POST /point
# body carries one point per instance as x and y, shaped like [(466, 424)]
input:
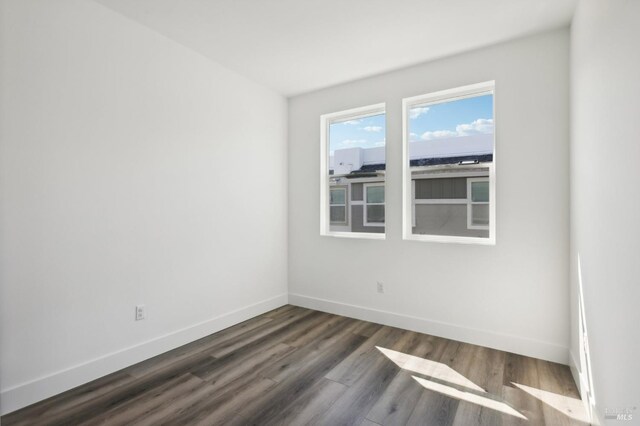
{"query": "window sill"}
[(491, 241), (356, 235)]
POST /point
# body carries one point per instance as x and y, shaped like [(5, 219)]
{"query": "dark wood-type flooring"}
[(295, 366)]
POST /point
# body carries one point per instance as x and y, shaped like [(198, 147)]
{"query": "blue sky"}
[(366, 132), (449, 119)]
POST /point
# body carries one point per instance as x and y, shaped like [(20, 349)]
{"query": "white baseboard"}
[(581, 383), (575, 372), (504, 342), (36, 390)]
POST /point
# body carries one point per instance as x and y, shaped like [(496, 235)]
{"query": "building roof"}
[(357, 162)]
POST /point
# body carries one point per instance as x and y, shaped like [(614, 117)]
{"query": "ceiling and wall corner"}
[(298, 46)]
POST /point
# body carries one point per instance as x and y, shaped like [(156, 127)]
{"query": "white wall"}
[(133, 170), (605, 206), (513, 295)]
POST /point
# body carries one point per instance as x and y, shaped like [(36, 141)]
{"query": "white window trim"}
[(408, 204), (366, 203), (413, 204), (471, 203), (325, 121)]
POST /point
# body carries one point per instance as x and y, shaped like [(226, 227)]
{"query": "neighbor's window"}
[(449, 177), (353, 172), (373, 204), (338, 205), (478, 206)]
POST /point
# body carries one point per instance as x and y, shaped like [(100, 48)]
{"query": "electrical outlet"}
[(141, 312), (380, 287)]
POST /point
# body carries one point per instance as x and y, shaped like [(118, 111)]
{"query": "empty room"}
[(299, 212)]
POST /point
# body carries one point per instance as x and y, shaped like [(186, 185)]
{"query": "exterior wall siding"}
[(357, 221), (445, 219), (356, 192), (441, 188)]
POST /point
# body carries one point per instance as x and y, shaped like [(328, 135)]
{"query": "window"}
[(352, 178), (338, 205), (478, 205), (449, 174), (374, 205)]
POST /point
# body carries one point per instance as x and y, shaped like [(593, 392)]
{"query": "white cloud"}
[(380, 143), (438, 134), (413, 136), (372, 128), (351, 122), (417, 112), (479, 126)]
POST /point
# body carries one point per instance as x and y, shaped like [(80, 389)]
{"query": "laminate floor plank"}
[(328, 323), (218, 402), (311, 353), (398, 401), (366, 328), (246, 330), (561, 404), (522, 370), (275, 332), (222, 408), (486, 371), (134, 410), (352, 367), (311, 406), (202, 345), (296, 366), (438, 408), (57, 406), (374, 373), (294, 386), (125, 393), (279, 312), (220, 372)]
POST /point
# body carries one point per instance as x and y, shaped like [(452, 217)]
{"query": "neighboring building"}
[(449, 186)]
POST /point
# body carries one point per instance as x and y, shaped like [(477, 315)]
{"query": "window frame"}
[(408, 196), (471, 203), (345, 204), (366, 204), (325, 121)]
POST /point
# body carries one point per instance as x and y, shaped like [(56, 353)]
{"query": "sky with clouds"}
[(452, 119), (368, 132), (449, 119)]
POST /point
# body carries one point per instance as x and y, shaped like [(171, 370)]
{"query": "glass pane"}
[(356, 149), (375, 214), (375, 194), (337, 196), (338, 214), (450, 142), (480, 214), (444, 219), (356, 142), (480, 191)]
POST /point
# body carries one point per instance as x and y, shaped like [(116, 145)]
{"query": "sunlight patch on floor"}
[(426, 367), (469, 397), (570, 407)]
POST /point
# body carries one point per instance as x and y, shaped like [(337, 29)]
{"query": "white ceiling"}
[(295, 46)]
